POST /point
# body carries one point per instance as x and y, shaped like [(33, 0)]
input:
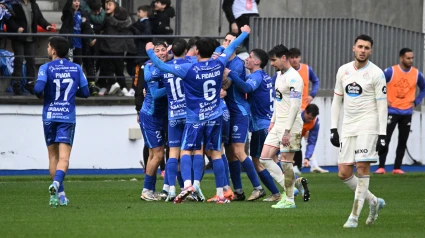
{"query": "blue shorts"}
[(205, 133), (257, 142), (152, 130), (225, 127), (239, 126), (175, 132), (58, 132)]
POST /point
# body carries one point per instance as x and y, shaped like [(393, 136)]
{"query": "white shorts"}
[(274, 139), (361, 148)]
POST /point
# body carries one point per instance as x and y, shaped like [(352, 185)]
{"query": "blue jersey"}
[(154, 104), (235, 99), (76, 41), (202, 83), (175, 92), (261, 99), (62, 80)]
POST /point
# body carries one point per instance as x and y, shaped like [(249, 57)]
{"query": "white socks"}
[(360, 195), (352, 184), (274, 171), (288, 169)]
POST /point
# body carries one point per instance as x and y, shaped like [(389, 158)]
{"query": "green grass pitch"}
[(110, 206)]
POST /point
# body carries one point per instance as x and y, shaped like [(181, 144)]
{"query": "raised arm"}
[(178, 70), (232, 47)]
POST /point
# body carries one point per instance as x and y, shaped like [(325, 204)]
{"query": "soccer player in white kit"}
[(361, 91), (286, 124)]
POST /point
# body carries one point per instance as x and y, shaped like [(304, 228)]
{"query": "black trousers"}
[(403, 122), (27, 49), (244, 20), (109, 67)]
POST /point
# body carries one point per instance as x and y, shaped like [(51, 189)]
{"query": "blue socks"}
[(249, 168), (180, 179), (218, 168), (267, 180), (148, 182), (59, 177), (171, 171), (61, 188), (235, 174), (186, 167), (226, 170), (198, 167)]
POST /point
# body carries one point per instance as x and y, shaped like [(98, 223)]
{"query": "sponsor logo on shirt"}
[(384, 90), (361, 151), (353, 89)]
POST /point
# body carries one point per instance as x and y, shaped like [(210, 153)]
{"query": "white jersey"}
[(288, 86), (361, 89)]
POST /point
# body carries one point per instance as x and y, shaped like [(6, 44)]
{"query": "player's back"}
[(150, 105), (175, 92), (288, 85), (236, 100), (261, 100), (62, 81), (360, 88), (202, 85)]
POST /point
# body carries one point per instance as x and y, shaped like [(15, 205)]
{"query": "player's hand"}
[(309, 99), (285, 139), (215, 55), (92, 42), (271, 126), (20, 29), (223, 93), (226, 72), (381, 145), (149, 46), (49, 28), (234, 28), (246, 29), (335, 137), (226, 83), (306, 163)]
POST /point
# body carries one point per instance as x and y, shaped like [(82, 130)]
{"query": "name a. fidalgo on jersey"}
[(208, 75)]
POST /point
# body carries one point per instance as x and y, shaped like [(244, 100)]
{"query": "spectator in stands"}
[(117, 22), (163, 12), (4, 15), (238, 13), (141, 27), (25, 18), (75, 21)]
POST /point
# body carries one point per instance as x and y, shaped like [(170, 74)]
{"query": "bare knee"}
[(239, 151), (345, 171)]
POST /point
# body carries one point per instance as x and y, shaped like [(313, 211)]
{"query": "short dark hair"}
[(262, 56), (215, 42), (145, 8), (192, 41), (167, 3), (231, 33), (179, 47), (60, 45), (279, 51), (205, 47), (404, 51), (294, 52), (312, 109), (158, 42), (95, 5), (365, 38)]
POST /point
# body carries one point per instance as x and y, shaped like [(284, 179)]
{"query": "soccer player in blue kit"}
[(239, 124), (202, 85), (259, 87), (152, 121), (176, 113), (59, 82)]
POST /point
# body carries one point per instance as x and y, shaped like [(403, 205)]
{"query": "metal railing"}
[(326, 44)]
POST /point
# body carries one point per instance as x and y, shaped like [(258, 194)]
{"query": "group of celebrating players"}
[(201, 122)]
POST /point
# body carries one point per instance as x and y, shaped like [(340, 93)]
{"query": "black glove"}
[(335, 137), (381, 145)]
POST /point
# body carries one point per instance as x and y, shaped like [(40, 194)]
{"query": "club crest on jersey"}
[(235, 128), (172, 123), (353, 89), (384, 90)]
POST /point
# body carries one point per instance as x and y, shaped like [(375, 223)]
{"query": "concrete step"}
[(48, 5)]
